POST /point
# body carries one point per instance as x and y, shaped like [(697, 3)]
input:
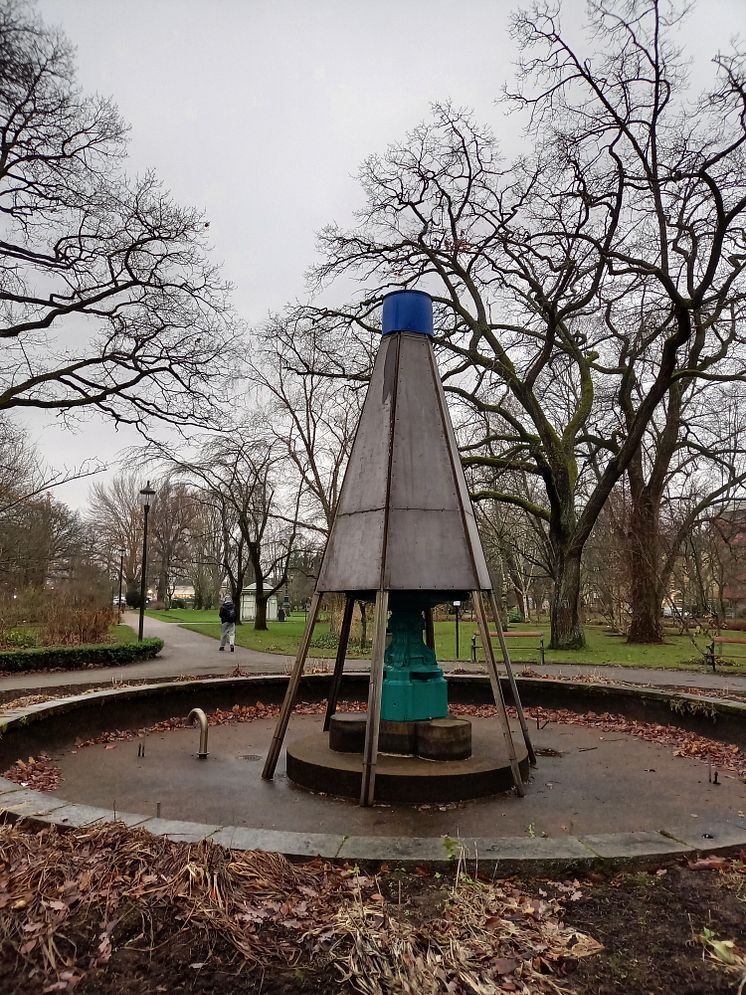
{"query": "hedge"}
[(78, 657)]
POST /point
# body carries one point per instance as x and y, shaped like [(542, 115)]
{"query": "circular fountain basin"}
[(592, 795)]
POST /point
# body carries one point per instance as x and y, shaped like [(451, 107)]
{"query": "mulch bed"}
[(118, 912), (113, 911)]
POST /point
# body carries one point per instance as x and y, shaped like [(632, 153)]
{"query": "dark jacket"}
[(228, 612)]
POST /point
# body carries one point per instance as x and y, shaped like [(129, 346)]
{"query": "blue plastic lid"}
[(407, 311)]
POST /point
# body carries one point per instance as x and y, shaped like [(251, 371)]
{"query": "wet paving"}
[(586, 781)]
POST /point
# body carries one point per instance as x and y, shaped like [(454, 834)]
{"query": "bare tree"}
[(606, 576), (631, 193), (714, 561), (206, 554), (691, 460), (519, 542), (107, 298), (239, 476), (42, 544), (115, 517), (314, 412), (23, 474), (174, 514)]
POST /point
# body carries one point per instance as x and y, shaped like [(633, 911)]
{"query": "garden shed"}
[(248, 605)]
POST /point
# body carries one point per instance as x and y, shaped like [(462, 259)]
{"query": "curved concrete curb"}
[(506, 853)]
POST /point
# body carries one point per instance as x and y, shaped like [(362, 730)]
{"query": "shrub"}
[(23, 609), (75, 626), (133, 599), (78, 657), (735, 624), (22, 637), (325, 641), (515, 616)]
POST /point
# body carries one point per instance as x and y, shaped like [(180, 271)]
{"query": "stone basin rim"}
[(507, 853)]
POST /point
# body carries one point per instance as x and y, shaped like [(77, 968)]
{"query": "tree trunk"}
[(643, 553), (335, 604), (236, 598), (566, 627), (260, 619), (519, 593), (363, 608)]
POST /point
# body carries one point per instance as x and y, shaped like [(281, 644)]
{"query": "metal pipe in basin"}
[(199, 715)]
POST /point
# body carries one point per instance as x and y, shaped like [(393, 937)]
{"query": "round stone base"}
[(432, 739), (444, 739), (311, 764)]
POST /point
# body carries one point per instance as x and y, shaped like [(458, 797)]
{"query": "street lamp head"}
[(122, 552), (146, 496)]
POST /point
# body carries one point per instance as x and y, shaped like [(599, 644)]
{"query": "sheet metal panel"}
[(353, 554), (483, 575), (354, 550), (421, 474), (427, 551), (432, 541), (366, 477)]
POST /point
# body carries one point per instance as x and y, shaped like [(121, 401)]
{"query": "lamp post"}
[(146, 498), (121, 570)]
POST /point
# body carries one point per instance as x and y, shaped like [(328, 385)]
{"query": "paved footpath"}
[(187, 653)]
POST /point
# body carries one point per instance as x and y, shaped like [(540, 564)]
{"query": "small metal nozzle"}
[(199, 715)]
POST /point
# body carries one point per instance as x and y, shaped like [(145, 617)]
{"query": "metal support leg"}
[(344, 638), (292, 692), (502, 716), (370, 753), (511, 678)]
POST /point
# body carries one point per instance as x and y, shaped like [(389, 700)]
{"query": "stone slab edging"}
[(506, 853)]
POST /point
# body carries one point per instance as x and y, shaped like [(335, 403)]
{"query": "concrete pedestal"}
[(311, 764), (432, 739)]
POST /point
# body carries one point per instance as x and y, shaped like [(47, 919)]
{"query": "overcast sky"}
[(260, 111)]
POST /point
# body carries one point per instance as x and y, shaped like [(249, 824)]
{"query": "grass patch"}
[(677, 652), (122, 634), (180, 615), (280, 637)]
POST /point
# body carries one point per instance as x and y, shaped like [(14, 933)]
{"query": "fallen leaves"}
[(726, 954), (711, 863), (484, 938), (25, 701), (37, 773), (724, 756), (686, 744)]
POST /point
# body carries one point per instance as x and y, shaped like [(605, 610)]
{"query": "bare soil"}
[(653, 924), (649, 927), (169, 933)]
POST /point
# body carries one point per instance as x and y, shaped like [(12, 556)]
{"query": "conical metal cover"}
[(404, 521)]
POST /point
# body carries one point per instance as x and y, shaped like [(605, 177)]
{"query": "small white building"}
[(248, 605)]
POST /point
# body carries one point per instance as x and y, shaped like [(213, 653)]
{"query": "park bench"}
[(513, 635), (715, 649)]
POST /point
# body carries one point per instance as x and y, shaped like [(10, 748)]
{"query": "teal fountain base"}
[(414, 687)]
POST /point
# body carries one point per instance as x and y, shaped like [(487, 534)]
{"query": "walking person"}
[(228, 626)]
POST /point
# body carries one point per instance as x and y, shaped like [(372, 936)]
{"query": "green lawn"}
[(280, 637), (122, 634), (678, 652), (183, 615)]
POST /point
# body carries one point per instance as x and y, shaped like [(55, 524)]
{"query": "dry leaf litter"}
[(65, 897)]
